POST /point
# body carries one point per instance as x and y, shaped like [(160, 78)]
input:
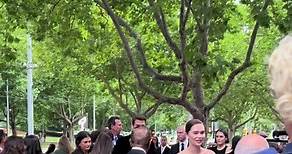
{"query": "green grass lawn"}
[(49, 140)]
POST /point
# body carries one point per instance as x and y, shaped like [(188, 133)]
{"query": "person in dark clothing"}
[(123, 145), (33, 145), (115, 125), (51, 149), (163, 148), (153, 145), (182, 141), (221, 140)]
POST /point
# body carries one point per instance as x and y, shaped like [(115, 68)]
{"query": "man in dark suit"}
[(164, 148), (140, 140), (123, 145), (115, 126), (182, 141)]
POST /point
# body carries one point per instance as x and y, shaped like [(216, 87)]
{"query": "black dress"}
[(222, 151)]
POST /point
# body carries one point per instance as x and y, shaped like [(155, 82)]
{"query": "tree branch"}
[(183, 62), (143, 59), (118, 99), (242, 67), (247, 120), (152, 109), (159, 17), (54, 6), (132, 61)]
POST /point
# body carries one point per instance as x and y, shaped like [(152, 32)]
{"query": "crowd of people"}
[(191, 137)]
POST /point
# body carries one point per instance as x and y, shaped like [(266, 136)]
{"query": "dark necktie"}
[(182, 147)]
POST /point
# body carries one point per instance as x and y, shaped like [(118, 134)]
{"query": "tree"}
[(12, 71), (200, 24), (62, 89), (191, 62)]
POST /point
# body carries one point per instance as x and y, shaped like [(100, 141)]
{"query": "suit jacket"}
[(166, 150), (122, 146), (136, 151), (174, 149)]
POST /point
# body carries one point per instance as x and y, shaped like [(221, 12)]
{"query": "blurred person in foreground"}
[(64, 146), (140, 140), (253, 144), (2, 139), (280, 70), (14, 145), (103, 143), (33, 145), (123, 145)]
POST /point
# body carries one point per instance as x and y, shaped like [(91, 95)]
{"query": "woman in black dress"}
[(221, 140)]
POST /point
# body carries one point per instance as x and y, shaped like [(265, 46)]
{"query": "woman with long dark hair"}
[(83, 143), (221, 140), (33, 145)]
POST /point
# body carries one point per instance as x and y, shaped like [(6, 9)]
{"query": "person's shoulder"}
[(208, 151), (183, 152)]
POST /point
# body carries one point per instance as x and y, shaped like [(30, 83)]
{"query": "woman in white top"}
[(195, 130)]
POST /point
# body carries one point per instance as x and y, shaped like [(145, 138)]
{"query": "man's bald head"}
[(140, 137), (251, 144)]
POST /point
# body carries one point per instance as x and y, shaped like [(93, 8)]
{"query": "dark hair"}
[(33, 145), (51, 148), (103, 143), (14, 145), (138, 117), (112, 121), (191, 123), (80, 136), (2, 135), (224, 133), (234, 141), (94, 134)]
